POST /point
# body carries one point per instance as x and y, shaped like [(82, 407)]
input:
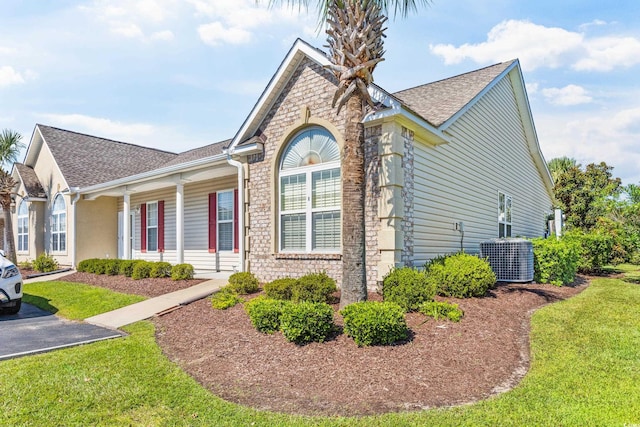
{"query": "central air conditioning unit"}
[(510, 259)]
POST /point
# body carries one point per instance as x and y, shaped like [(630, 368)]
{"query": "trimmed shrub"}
[(595, 249), (225, 298), (313, 287), (127, 265), (160, 269), (244, 283), (280, 288), (375, 323), (45, 263), (265, 313), (141, 270), (437, 310), (182, 272), (407, 287), (307, 322), (111, 267), (86, 265), (554, 261), (462, 276), (438, 260)]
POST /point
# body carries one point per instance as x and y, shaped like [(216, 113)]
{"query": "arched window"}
[(59, 225), (23, 227), (309, 193)]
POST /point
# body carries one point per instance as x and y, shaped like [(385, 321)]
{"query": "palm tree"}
[(560, 165), (355, 40), (10, 146)]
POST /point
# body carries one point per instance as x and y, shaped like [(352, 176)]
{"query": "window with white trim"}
[(310, 193), (23, 227), (505, 204), (225, 220), (59, 225), (152, 227)]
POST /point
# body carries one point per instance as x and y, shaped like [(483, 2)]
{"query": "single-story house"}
[(449, 164)]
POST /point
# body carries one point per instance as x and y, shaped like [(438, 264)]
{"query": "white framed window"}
[(505, 205), (225, 218), (152, 227), (310, 193), (23, 227), (59, 225)]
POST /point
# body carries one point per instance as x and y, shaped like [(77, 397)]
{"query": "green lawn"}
[(585, 371)]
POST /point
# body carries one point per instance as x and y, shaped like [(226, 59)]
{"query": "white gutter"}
[(240, 167), (74, 201)]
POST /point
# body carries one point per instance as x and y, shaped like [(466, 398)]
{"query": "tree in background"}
[(584, 195), (560, 165), (10, 146), (355, 40)]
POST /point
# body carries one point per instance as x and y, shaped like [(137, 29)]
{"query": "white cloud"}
[(532, 88), (128, 30), (568, 95), (215, 34), (106, 128), (595, 137), (9, 76), (163, 35), (539, 46)]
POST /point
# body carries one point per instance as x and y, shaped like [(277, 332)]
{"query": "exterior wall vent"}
[(510, 259)]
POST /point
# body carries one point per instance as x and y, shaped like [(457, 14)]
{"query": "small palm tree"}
[(560, 165), (355, 38), (10, 146)]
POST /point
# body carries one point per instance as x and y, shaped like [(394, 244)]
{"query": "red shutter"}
[(213, 211), (161, 226), (143, 227), (235, 221)]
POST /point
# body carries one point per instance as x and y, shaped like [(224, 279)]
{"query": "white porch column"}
[(179, 223), (126, 227)]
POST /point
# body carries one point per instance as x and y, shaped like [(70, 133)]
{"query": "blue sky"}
[(177, 74)]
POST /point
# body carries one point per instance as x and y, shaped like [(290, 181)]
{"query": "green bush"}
[(127, 265), (407, 287), (313, 287), (280, 288), (595, 249), (554, 261), (265, 313), (307, 322), (438, 260), (375, 323), (112, 266), (437, 310), (182, 272), (45, 263), (462, 276), (141, 270), (86, 265), (244, 283), (160, 269), (225, 298)]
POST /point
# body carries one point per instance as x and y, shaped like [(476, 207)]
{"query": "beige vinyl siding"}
[(196, 225), (460, 181)]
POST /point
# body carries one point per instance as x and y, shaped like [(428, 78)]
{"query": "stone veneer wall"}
[(372, 136), (305, 100), (407, 196)]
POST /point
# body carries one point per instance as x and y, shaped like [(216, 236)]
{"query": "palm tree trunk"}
[(354, 282), (10, 250)]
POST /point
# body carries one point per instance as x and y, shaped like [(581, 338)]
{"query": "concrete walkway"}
[(149, 308)]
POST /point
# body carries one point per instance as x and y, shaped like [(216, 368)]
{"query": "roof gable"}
[(86, 160), (439, 101), (30, 180)]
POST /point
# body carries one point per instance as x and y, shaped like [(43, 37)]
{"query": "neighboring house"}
[(449, 164)]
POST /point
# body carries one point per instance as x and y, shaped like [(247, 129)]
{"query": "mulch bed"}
[(145, 287), (444, 364)]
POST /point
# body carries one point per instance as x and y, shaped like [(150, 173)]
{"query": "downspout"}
[(241, 212), (74, 201)]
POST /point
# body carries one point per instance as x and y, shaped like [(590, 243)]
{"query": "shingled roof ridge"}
[(204, 146), (106, 139), (456, 76)]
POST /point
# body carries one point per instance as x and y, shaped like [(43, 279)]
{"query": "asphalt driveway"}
[(33, 330)]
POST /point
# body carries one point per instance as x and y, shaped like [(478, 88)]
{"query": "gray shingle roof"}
[(437, 102), (86, 160), (199, 153), (30, 180)]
